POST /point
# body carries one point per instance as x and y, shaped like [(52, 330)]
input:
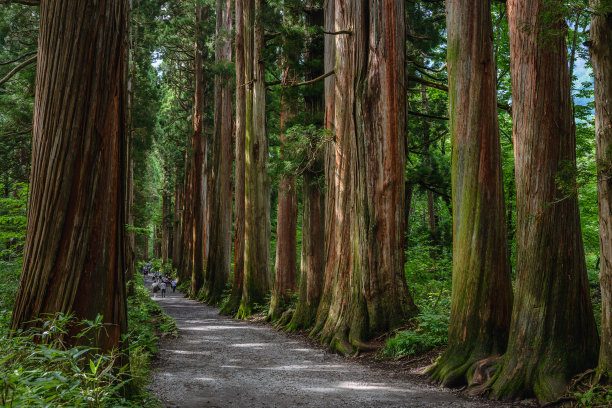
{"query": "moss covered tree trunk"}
[(553, 334), (256, 282), (198, 183), (313, 216), (368, 292), (232, 305), (220, 219), (74, 250), (601, 57), (481, 302)]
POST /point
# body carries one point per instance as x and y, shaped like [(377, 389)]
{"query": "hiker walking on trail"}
[(173, 285), (155, 288), (163, 289)]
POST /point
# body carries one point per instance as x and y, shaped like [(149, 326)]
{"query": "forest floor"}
[(218, 361)]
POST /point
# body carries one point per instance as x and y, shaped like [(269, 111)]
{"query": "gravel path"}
[(221, 362)]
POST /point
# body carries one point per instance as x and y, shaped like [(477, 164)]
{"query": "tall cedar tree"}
[(313, 216), (231, 306), (220, 217), (481, 302), (285, 269), (601, 57), (256, 282), (74, 250), (367, 291), (553, 334)]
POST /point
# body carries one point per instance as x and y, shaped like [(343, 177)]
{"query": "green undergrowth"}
[(38, 369), (429, 332), (595, 397)]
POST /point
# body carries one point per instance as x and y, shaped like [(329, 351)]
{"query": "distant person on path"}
[(173, 284), (155, 288), (163, 289)]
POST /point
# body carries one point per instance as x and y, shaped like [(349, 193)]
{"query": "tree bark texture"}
[(165, 230), (74, 251), (220, 221), (368, 292), (553, 334), (256, 283), (285, 267), (198, 183), (231, 306), (313, 218), (601, 57), (481, 302)]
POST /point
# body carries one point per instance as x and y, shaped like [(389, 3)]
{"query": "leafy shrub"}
[(431, 331), (13, 211)]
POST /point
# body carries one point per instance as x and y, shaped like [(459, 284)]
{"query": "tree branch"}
[(425, 115), (22, 56), (305, 83), (21, 133), (444, 88), (338, 32), (26, 2), (17, 69)]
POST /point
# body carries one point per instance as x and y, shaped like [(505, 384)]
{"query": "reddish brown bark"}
[(313, 217), (368, 292), (256, 282), (220, 215), (231, 306), (601, 57), (481, 302), (553, 334), (74, 250)]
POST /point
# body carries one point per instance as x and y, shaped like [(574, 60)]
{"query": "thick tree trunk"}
[(366, 260), (553, 334), (231, 306), (198, 183), (177, 237), (130, 236), (313, 217), (481, 302), (256, 283), (220, 220), (74, 251), (601, 57)]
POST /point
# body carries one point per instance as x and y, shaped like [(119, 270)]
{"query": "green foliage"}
[(430, 332), (596, 396), (13, 211)]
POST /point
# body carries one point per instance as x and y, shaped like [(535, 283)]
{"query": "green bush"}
[(431, 331)]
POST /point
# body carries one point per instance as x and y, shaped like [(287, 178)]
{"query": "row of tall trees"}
[(323, 89)]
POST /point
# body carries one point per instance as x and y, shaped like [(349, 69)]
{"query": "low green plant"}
[(430, 331), (596, 396)]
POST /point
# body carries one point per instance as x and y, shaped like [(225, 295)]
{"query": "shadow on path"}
[(221, 362)]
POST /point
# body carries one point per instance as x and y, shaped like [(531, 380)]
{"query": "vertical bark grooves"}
[(366, 291), (482, 292), (234, 301), (198, 184), (74, 250), (220, 216), (601, 57), (313, 217), (553, 334), (256, 282), (165, 233)]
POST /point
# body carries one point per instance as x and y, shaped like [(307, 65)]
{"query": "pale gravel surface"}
[(222, 362)]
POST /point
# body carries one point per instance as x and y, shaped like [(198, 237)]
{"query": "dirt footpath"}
[(221, 362)]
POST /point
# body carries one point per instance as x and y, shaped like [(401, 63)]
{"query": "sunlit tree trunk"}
[(368, 294), (256, 283), (74, 250), (482, 291), (553, 334), (220, 220), (601, 57), (232, 305), (313, 217)]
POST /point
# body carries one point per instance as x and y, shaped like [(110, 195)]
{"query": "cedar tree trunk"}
[(74, 250), (553, 334), (481, 302), (368, 292)]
